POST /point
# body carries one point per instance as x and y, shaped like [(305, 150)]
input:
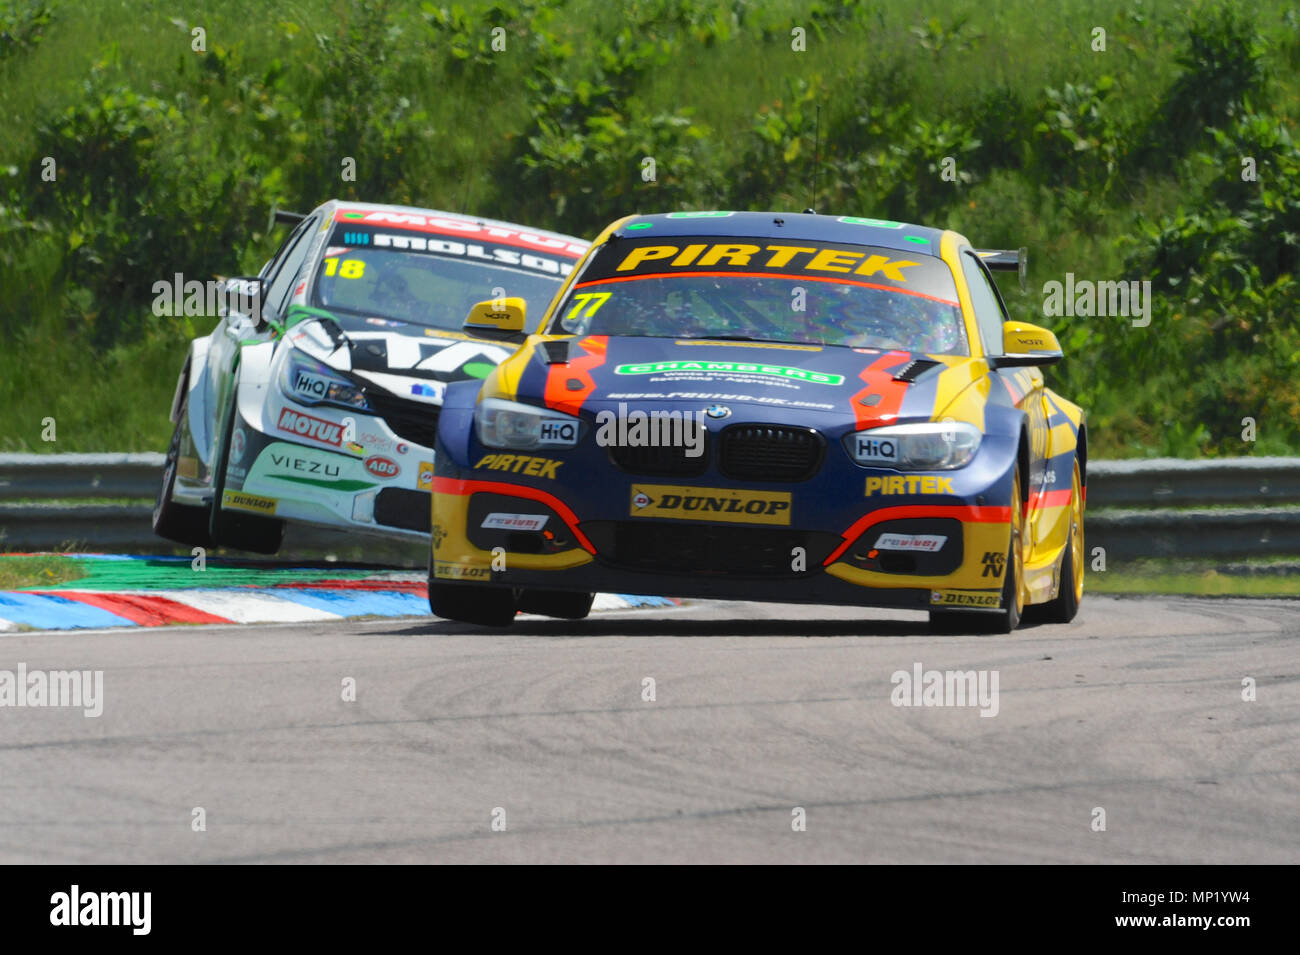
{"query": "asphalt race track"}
[(1135, 708)]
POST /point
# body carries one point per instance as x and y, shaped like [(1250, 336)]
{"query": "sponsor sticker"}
[(382, 467), (869, 450), (710, 504), (515, 522), (309, 426), (375, 441), (287, 458), (239, 501), (432, 390), (449, 571), (310, 386), (965, 598), (425, 479), (466, 228), (520, 464), (665, 259), (554, 433), (307, 467), (731, 368), (993, 562), (909, 484), (712, 395), (797, 259), (924, 543), (238, 441)]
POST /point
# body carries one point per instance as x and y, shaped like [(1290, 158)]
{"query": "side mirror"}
[(1025, 344), (497, 318), (244, 295)]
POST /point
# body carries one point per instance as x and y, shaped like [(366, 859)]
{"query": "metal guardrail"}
[(121, 528), (1174, 482), (1195, 533), (1157, 507), (45, 476), (1140, 508)]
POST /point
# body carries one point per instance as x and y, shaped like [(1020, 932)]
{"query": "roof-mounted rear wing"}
[(1007, 260), (283, 217)]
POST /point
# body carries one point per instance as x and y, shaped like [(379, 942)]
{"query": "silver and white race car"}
[(316, 397)]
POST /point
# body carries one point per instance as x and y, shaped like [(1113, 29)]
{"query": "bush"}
[(1222, 71), (22, 25)]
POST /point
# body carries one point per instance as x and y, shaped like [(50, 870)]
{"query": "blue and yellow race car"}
[(764, 406)]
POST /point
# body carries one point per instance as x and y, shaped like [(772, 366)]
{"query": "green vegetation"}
[(1125, 163), (37, 571), (1196, 579)]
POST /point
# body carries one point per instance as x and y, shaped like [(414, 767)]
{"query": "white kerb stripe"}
[(241, 606)]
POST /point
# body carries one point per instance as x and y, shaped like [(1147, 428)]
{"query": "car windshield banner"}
[(918, 274)]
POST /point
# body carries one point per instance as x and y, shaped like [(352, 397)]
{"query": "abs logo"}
[(869, 450), (382, 467)]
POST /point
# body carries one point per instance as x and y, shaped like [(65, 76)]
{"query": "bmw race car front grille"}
[(400, 507), (414, 421), (759, 452), (707, 548), (664, 461)]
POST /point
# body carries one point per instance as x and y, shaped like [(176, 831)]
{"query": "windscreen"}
[(804, 292), (429, 280)]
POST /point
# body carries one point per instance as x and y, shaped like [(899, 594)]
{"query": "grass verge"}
[(37, 570), (1183, 577)]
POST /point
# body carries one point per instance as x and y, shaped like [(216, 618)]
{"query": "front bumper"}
[(575, 521), (291, 465)]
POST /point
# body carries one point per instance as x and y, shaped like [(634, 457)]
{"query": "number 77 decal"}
[(591, 300)]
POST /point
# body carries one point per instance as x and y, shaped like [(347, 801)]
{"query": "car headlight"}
[(509, 424), (927, 446), (308, 382)]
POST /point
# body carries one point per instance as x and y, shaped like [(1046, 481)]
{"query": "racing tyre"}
[(260, 535), (556, 603), (1008, 617), (487, 606), (184, 523), (1066, 603)]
